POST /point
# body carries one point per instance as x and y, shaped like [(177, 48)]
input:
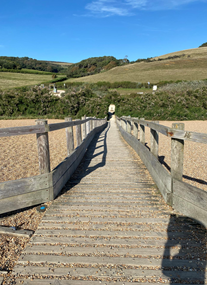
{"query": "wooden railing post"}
[(135, 129), (142, 133), (78, 133), (154, 141), (69, 137), (83, 128), (124, 125), (43, 149), (128, 127), (91, 124), (88, 127), (94, 124), (177, 154)]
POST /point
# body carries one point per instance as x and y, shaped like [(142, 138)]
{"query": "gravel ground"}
[(195, 154)]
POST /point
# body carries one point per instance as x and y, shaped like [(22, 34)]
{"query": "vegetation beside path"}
[(175, 101)]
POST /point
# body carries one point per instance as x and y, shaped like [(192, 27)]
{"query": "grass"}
[(11, 80), (128, 91), (193, 66)]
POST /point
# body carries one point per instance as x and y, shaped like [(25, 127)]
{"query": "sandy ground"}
[(18, 156)]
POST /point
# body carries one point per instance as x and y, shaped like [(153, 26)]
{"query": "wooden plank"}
[(43, 149), (78, 282), (190, 193), (159, 174), (25, 185), (178, 134), (104, 250), (177, 154), (190, 201), (119, 234), (17, 131), (58, 126), (69, 137), (64, 170), (78, 133), (24, 200), (17, 233), (110, 261), (107, 272)]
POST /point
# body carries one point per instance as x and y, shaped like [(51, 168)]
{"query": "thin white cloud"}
[(106, 8)]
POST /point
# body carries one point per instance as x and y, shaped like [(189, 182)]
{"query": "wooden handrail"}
[(170, 132), (38, 129)]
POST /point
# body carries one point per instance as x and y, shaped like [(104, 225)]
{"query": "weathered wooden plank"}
[(77, 282), (107, 272), (62, 173), (78, 133), (25, 185), (177, 154), (119, 234), (17, 233), (107, 219), (69, 137), (178, 134), (110, 261), (84, 241), (190, 201), (43, 149), (17, 131), (160, 175), (104, 250), (24, 200)]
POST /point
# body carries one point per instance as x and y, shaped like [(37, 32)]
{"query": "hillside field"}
[(11, 80), (191, 65)]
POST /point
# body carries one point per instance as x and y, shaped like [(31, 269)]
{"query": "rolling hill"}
[(188, 64)]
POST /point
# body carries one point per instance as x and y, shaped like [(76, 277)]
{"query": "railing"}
[(45, 187), (182, 196)]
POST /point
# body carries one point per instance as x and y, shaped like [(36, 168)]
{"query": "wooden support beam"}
[(78, 133), (69, 137), (177, 153), (142, 133), (83, 128), (154, 141), (135, 129), (43, 149)]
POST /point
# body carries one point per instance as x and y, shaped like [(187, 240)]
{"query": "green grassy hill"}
[(187, 65)]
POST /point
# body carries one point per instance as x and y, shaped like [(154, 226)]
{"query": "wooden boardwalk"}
[(111, 226)]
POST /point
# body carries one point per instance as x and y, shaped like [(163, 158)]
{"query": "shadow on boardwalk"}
[(84, 169), (191, 249)]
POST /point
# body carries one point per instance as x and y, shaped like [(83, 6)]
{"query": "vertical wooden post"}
[(78, 133), (154, 141), (69, 137), (43, 149), (128, 127), (91, 124), (88, 127), (135, 129), (94, 123), (177, 154), (83, 128), (142, 133), (124, 125)]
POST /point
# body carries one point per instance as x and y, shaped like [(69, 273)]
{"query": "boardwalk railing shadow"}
[(200, 181), (188, 262), (84, 169)]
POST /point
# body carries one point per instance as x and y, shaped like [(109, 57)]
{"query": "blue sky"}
[(69, 30)]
